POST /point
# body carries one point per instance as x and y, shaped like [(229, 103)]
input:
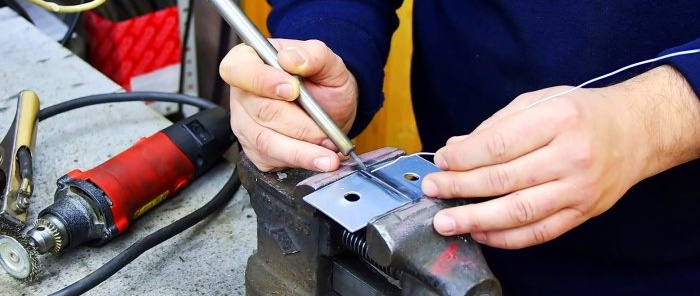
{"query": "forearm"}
[(663, 113)]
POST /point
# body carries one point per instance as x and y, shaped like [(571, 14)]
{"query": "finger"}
[(506, 111), (532, 234), (529, 170), (513, 210), (509, 138), (269, 150), (286, 118), (456, 139), (518, 104), (315, 60), (242, 68)]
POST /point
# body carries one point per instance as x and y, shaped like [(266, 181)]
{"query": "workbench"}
[(207, 259)]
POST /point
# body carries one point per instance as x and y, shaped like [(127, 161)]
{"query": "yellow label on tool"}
[(151, 204)]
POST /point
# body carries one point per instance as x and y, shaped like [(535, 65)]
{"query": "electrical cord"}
[(71, 27), (124, 97), (135, 250), (55, 7), (148, 242)]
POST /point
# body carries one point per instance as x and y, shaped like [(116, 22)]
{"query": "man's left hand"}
[(554, 165)]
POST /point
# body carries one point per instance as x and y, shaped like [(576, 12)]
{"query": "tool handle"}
[(156, 167), (245, 29)]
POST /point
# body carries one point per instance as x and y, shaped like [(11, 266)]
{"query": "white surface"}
[(208, 259), (163, 79), (47, 22)]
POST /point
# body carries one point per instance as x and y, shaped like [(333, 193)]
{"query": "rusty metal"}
[(301, 251)]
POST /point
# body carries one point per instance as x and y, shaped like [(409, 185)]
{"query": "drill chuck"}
[(47, 235)]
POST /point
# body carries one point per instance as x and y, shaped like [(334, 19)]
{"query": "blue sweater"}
[(473, 57)]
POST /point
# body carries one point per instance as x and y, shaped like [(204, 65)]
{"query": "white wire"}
[(691, 51), (401, 157)]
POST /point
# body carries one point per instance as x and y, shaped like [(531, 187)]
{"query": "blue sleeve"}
[(359, 31), (688, 65)]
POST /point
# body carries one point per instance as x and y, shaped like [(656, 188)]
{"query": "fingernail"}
[(444, 224), (440, 162), (429, 188), (295, 56), (285, 91), (479, 237), (323, 163)]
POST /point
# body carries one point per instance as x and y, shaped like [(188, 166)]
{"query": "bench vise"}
[(352, 232)]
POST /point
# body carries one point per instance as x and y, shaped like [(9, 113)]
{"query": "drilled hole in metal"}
[(352, 196), (411, 176)]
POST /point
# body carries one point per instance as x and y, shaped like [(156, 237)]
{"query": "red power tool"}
[(96, 205)]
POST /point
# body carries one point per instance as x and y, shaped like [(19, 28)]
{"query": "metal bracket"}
[(360, 196)]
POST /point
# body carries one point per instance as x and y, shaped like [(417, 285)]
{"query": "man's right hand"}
[(274, 131)]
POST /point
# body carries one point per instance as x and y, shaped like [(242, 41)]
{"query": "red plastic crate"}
[(144, 49)]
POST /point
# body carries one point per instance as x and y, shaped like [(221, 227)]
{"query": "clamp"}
[(16, 159), (356, 232), (16, 182)]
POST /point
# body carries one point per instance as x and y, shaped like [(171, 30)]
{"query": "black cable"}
[(148, 242), (71, 27), (24, 159), (18, 9), (124, 97), (165, 233)]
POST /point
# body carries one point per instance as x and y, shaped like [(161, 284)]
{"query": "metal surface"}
[(357, 243), (356, 199), (247, 31), (398, 252), (358, 161), (442, 265), (15, 185), (15, 259), (350, 277), (48, 235), (286, 222)]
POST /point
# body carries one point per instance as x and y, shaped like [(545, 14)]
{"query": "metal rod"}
[(245, 29)]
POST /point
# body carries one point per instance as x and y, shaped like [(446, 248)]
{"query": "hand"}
[(564, 161), (274, 131)]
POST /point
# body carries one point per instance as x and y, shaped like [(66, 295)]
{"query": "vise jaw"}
[(306, 249)]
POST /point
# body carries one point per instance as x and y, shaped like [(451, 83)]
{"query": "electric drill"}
[(98, 204)]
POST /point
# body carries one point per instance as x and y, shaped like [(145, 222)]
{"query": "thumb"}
[(314, 60)]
